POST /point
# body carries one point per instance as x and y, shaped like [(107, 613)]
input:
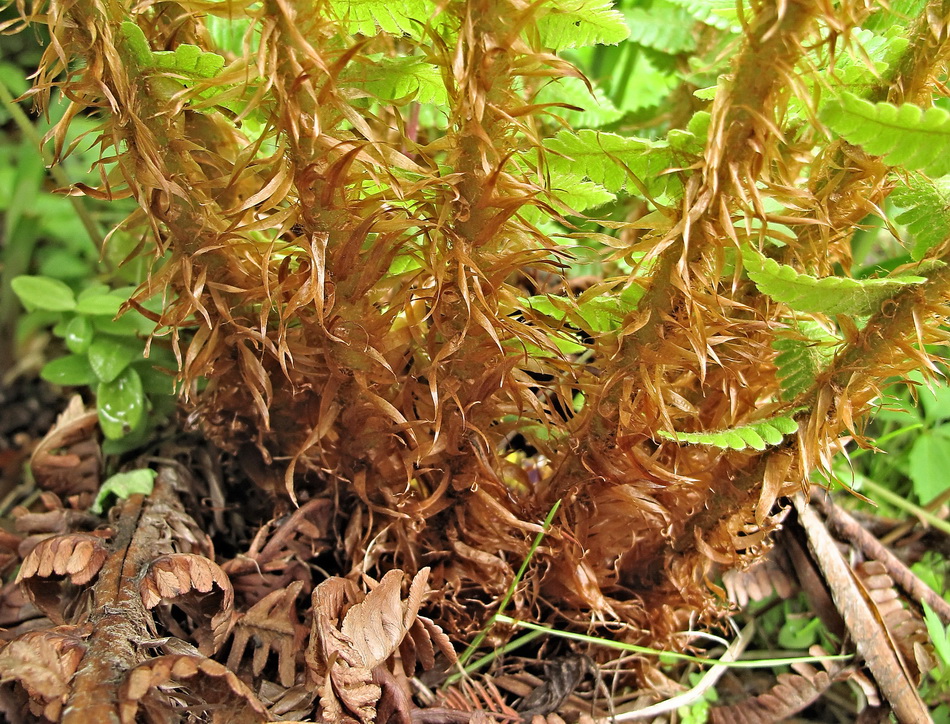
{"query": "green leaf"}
[(124, 485), (130, 324), (597, 109), (189, 60), (579, 23), (121, 404), (79, 334), (664, 27), (73, 369), (722, 14), (926, 212), (929, 463), (403, 17), (397, 80), (904, 135), (108, 357), (609, 160), (757, 435), (44, 293), (104, 304), (804, 351), (827, 295), (938, 635)]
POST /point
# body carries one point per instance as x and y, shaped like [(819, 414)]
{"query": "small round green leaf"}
[(108, 357), (44, 293), (121, 404), (72, 369), (123, 485), (79, 334), (103, 304), (130, 324)]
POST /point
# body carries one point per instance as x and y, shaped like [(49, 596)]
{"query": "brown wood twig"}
[(120, 620), (847, 528), (870, 637)]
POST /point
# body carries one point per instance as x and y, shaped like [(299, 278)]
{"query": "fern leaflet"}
[(905, 135), (803, 352), (722, 14), (927, 211), (398, 18), (828, 295), (187, 60), (579, 23), (757, 435), (664, 26), (610, 160), (398, 80), (598, 110)]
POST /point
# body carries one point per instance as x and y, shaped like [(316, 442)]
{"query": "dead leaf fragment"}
[(68, 460), (199, 587)]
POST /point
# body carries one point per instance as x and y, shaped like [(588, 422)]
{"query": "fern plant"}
[(411, 287)]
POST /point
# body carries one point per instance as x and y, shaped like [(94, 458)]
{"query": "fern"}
[(398, 80), (828, 295), (664, 27), (757, 435), (579, 23), (609, 160), (927, 211), (595, 315), (803, 352), (905, 135), (187, 60), (367, 17), (644, 85), (597, 109), (721, 14)]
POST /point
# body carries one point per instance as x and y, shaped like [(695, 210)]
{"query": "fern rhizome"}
[(368, 218)]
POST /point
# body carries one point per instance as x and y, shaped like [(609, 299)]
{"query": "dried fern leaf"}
[(579, 23), (926, 214), (789, 696), (905, 135), (273, 625), (199, 587), (757, 435), (827, 295)]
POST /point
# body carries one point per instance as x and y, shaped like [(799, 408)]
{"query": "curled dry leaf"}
[(345, 654), (78, 556), (199, 587), (789, 696), (68, 460), (43, 663), (273, 625), (188, 681)]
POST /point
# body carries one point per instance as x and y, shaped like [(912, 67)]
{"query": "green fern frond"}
[(927, 211), (609, 160), (583, 195), (894, 13), (598, 110), (188, 60), (828, 295), (366, 17), (398, 80), (644, 86), (905, 135), (722, 14), (757, 435), (579, 23), (664, 26), (595, 315), (803, 352)]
